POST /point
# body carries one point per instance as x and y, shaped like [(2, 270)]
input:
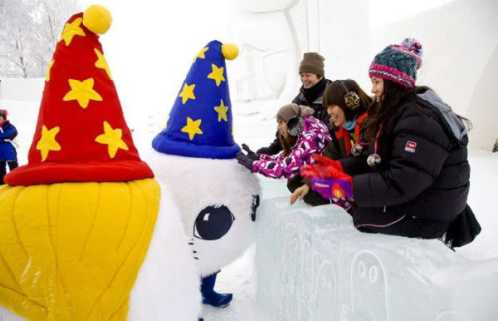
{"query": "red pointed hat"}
[(81, 134)]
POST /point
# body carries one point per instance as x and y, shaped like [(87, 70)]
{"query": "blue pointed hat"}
[(200, 122)]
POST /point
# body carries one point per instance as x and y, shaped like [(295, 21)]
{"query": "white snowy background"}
[(151, 44)]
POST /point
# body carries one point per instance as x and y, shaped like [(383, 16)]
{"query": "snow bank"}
[(21, 88), (313, 265), (21, 97), (22, 114), (484, 203)]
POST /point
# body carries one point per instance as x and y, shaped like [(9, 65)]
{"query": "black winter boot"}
[(211, 297)]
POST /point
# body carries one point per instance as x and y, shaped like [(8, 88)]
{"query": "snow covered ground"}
[(255, 125)]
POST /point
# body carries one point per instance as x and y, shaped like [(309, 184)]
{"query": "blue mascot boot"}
[(211, 297)]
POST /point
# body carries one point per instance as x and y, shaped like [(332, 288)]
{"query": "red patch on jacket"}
[(410, 146)]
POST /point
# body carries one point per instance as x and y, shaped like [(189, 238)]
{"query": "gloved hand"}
[(327, 162), (321, 167), (264, 150), (245, 160), (328, 179), (252, 155)]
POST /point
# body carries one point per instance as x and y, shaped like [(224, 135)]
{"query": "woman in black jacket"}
[(415, 180)]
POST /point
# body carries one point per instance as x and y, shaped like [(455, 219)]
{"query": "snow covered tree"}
[(29, 30), (14, 22), (50, 17)]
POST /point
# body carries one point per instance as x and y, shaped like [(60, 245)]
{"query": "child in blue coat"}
[(8, 154)]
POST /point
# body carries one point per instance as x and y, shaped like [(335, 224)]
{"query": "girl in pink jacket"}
[(300, 134)]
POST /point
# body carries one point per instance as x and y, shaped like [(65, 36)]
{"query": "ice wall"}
[(313, 265), (275, 34), (460, 42)]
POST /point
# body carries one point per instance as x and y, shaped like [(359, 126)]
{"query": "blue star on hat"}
[(200, 122)]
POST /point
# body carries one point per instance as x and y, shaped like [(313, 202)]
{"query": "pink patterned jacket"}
[(313, 139)]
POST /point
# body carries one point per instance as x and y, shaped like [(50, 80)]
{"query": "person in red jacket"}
[(347, 106)]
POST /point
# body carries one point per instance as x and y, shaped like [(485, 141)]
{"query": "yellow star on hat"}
[(112, 138), (72, 29), (222, 110), (187, 93), (192, 128), (49, 68), (217, 74), (202, 53), (101, 63), (82, 91), (47, 141)]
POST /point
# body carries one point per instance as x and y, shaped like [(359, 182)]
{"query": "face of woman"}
[(282, 128), (377, 88), (337, 117)]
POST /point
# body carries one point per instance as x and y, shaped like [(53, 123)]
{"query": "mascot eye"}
[(213, 222)]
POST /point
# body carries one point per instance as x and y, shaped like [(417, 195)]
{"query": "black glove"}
[(273, 149), (264, 150), (245, 160), (252, 155)]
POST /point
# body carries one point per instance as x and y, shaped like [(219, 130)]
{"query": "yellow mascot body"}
[(72, 251)]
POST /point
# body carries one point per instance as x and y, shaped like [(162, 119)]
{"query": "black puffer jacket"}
[(313, 98), (420, 188)]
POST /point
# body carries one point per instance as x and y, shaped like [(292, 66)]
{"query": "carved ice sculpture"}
[(268, 65), (313, 265)]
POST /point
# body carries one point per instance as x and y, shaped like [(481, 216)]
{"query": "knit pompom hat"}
[(398, 63)]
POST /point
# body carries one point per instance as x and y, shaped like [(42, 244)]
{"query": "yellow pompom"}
[(97, 19), (230, 51)]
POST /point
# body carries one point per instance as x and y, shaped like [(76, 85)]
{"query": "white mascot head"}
[(195, 161)]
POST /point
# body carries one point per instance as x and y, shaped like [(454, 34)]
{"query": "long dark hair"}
[(287, 143), (335, 92), (381, 112)]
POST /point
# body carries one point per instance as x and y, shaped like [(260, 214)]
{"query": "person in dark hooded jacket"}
[(415, 180), (8, 154)]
